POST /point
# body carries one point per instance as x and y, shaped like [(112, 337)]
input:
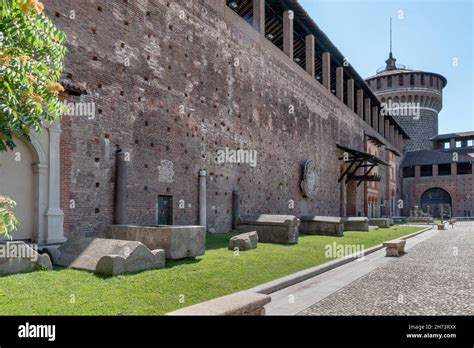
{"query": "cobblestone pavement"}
[(436, 277)]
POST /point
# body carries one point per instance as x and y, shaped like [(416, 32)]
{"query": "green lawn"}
[(218, 272)]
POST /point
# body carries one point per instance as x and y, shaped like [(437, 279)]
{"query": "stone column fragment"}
[(235, 209), (203, 198), (121, 188)]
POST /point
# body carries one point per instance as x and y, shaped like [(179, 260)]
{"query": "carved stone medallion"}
[(310, 183)]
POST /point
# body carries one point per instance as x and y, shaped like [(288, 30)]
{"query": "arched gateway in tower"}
[(436, 202)]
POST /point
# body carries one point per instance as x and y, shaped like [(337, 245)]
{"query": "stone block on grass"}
[(244, 241), (52, 251), (19, 257), (380, 222), (178, 242), (109, 256), (278, 229), (322, 225), (110, 265), (356, 224)]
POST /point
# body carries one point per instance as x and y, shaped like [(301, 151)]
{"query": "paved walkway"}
[(435, 277)]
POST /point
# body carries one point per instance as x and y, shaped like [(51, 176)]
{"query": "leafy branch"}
[(8, 222), (31, 54)]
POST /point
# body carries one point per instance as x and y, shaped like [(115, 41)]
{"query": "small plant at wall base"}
[(31, 54), (8, 221)]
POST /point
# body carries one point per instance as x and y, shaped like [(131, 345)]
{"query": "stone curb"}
[(298, 277)]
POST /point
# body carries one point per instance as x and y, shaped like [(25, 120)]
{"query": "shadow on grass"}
[(169, 264), (188, 261), (36, 270), (218, 240)]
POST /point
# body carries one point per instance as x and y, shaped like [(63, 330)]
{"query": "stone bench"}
[(356, 224), (395, 247), (240, 303), (178, 242), (322, 225), (380, 222), (279, 229)]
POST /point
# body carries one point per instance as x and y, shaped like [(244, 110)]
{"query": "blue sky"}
[(427, 35)]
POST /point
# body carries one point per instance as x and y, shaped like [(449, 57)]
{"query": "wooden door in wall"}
[(165, 210), (351, 198)]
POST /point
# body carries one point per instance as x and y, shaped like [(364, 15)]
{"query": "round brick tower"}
[(414, 99)]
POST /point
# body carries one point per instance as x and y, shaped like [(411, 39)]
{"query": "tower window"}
[(458, 144), (426, 170), (389, 81), (412, 79), (447, 145), (422, 79), (464, 168), (431, 81), (470, 142), (379, 85), (409, 172), (400, 80), (444, 169)]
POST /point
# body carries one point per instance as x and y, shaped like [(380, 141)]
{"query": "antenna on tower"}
[(391, 62), (390, 35)]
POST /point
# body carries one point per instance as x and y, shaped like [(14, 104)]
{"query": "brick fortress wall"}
[(173, 82)]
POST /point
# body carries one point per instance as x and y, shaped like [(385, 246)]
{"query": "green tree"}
[(8, 221), (31, 54)]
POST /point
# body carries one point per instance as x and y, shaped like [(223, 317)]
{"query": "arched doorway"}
[(17, 182), (30, 175), (436, 202)]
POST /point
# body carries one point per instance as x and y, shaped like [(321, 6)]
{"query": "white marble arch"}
[(48, 216)]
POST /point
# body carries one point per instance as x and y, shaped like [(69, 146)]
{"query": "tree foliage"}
[(8, 221), (31, 54)]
